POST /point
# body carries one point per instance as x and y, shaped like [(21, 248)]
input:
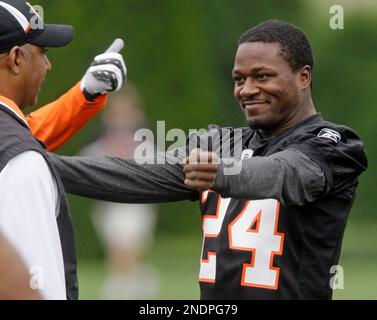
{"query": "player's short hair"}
[(295, 46)]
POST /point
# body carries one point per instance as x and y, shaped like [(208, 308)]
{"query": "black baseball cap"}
[(21, 24)]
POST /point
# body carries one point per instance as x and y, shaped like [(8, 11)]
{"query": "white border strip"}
[(17, 15)]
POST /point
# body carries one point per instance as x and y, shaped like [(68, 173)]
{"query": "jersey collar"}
[(14, 109)]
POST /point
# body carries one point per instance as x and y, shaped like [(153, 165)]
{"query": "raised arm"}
[(58, 121)]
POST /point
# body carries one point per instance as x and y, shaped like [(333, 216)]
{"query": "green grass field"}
[(359, 261), (176, 259)]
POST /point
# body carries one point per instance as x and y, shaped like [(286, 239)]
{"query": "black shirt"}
[(272, 231)]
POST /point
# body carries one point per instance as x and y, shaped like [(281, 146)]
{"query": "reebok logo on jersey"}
[(330, 134), (247, 154)]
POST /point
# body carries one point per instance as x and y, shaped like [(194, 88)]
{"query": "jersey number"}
[(253, 230)]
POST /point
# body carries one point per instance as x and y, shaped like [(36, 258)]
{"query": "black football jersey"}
[(252, 248), (261, 249)]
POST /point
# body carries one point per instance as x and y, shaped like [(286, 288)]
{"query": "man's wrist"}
[(228, 169), (89, 96), (83, 101), (218, 184)]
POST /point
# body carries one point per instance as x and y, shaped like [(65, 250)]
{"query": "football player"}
[(273, 228)]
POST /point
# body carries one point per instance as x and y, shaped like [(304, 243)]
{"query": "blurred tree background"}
[(180, 55)]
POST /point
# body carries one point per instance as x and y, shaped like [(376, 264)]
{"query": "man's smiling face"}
[(269, 92)]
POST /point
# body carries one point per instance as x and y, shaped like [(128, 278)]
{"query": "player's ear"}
[(305, 77), (14, 60)]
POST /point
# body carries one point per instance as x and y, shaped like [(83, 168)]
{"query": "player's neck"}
[(305, 111), (10, 91)]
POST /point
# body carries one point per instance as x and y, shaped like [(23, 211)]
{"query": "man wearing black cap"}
[(34, 214)]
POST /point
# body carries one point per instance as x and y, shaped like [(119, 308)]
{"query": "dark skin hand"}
[(14, 276), (200, 168)]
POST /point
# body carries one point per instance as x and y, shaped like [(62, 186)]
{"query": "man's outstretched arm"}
[(120, 180), (288, 176)]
